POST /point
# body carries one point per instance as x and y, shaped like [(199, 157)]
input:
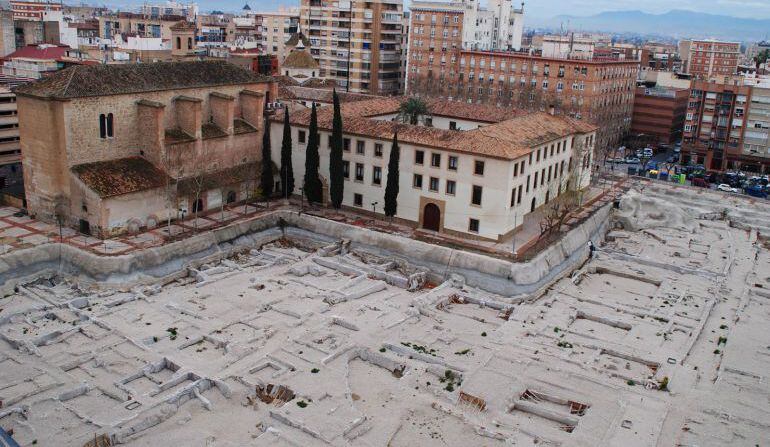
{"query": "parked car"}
[(756, 191), (633, 160), (726, 188)]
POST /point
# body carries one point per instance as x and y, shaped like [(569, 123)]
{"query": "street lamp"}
[(374, 207)]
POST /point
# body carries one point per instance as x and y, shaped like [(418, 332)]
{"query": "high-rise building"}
[(705, 59), (728, 125), (356, 43), (715, 124), (600, 90), (659, 113), (277, 29), (499, 26)]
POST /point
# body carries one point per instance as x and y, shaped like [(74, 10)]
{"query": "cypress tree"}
[(313, 186), (287, 172), (391, 187), (266, 179), (337, 181)]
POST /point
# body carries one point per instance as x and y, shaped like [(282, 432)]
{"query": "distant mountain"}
[(676, 23)]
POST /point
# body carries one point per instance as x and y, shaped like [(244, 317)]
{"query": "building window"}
[(452, 163), (359, 172), (451, 187), (346, 169), (377, 175), (358, 200), (473, 225), (433, 184), (428, 121), (452, 125), (419, 157), (417, 181), (106, 125), (534, 184), (346, 144), (378, 150), (360, 147), (478, 167), (301, 136), (435, 160), (476, 196)]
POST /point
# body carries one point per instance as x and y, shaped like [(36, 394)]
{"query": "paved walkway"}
[(18, 231)]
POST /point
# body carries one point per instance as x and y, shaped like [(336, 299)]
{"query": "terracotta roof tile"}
[(218, 179), (299, 59), (102, 80), (508, 139), (122, 176), (210, 130)]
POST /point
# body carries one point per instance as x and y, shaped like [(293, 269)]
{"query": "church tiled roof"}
[(103, 80)]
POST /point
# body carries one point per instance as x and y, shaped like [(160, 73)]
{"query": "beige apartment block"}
[(356, 43)]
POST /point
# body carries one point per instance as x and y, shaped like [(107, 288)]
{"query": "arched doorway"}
[(231, 197), (534, 204), (431, 217)]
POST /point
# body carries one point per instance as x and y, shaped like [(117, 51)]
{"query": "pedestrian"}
[(591, 249)]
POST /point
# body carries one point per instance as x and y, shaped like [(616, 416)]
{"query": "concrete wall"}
[(168, 261)]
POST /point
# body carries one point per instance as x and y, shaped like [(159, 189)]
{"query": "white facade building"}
[(498, 26), (466, 170)]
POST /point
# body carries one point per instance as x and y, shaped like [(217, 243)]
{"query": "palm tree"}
[(410, 110)]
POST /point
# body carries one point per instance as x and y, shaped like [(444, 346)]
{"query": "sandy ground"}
[(660, 340)]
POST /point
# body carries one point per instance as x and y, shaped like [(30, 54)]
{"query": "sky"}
[(759, 9)]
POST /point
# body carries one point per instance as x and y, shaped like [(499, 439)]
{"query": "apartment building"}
[(705, 59), (10, 146), (33, 10), (466, 170), (37, 61), (277, 29), (111, 148), (357, 42), (659, 113), (139, 25), (661, 57), (598, 90), (169, 8), (715, 124), (498, 26), (756, 143), (572, 46)]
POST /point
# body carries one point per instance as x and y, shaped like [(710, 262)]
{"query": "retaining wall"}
[(169, 261)]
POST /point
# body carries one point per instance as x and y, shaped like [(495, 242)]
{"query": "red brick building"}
[(706, 59), (33, 9), (715, 124), (660, 113), (598, 90)]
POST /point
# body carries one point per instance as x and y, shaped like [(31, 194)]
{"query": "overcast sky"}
[(759, 9)]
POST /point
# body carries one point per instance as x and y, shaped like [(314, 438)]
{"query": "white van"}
[(647, 152)]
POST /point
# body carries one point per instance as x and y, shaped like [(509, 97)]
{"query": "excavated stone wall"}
[(168, 262)]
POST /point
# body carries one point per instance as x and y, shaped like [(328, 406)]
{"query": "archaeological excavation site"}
[(293, 330)]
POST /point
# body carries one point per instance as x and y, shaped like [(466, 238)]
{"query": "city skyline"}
[(538, 9)]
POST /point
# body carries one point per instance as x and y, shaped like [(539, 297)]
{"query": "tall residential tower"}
[(357, 43)]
